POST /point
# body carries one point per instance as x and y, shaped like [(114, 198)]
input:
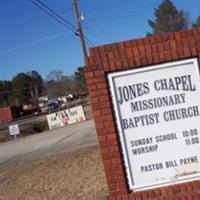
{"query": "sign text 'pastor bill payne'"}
[(157, 112)]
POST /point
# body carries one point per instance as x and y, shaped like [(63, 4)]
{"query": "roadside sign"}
[(66, 117), (157, 115), (14, 129)]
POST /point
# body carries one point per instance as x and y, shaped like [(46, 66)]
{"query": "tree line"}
[(26, 88)]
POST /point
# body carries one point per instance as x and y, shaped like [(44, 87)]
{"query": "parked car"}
[(52, 106)]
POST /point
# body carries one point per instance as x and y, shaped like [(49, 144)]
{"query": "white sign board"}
[(65, 117), (14, 129), (157, 112)]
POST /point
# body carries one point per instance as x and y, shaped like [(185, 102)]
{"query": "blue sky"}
[(32, 40)]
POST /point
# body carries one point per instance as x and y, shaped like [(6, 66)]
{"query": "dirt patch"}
[(68, 176)]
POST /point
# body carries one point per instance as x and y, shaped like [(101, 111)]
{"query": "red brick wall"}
[(5, 115), (126, 55)]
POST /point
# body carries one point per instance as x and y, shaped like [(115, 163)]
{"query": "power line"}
[(27, 44), (52, 14), (58, 18), (55, 14)]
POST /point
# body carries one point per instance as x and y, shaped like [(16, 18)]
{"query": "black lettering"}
[(181, 113), (121, 96), (192, 87), (176, 83), (127, 93)]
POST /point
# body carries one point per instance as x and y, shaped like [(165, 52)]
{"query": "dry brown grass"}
[(68, 176)]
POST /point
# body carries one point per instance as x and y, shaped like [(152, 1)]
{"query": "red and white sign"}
[(65, 117)]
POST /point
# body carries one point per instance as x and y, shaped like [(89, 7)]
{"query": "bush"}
[(40, 127)]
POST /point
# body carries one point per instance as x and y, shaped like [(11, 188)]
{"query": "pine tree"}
[(168, 19), (197, 23), (80, 80)]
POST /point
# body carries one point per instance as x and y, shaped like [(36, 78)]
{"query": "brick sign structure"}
[(145, 96)]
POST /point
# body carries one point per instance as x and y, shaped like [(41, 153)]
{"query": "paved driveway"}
[(47, 143)]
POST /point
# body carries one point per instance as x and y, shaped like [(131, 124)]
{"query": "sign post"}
[(14, 130)]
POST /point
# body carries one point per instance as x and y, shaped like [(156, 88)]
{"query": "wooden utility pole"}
[(79, 30)]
